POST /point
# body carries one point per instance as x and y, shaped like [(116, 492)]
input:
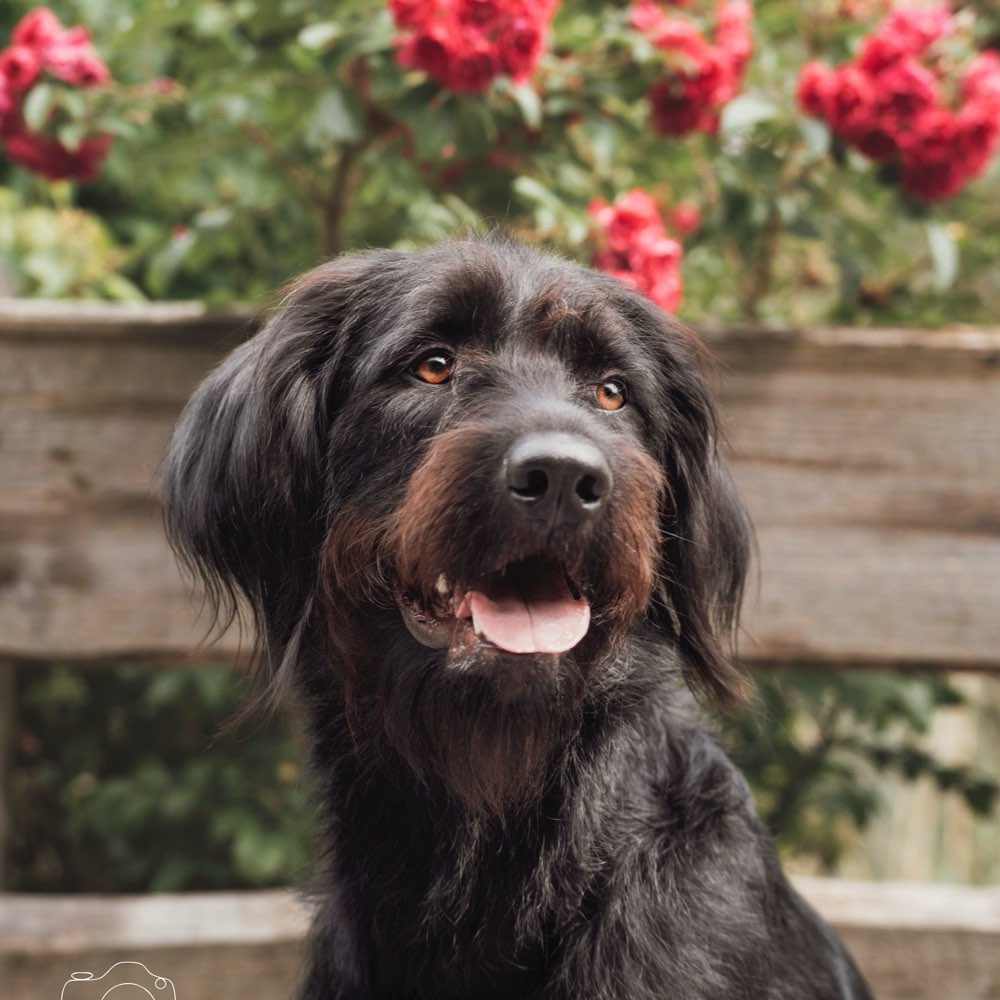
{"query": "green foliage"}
[(298, 135), (816, 748), (125, 781), (58, 251)]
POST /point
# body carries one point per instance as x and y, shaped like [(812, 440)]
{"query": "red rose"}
[(653, 253), (77, 65), (916, 28), (893, 103), (702, 76), (631, 214), (654, 260), (20, 66), (981, 79), (430, 51), (811, 89), (479, 12), (689, 101), (880, 51), (41, 44), (685, 217), (674, 110), (645, 16), (905, 89), (850, 100), (46, 156), (37, 29), (75, 36), (932, 180), (715, 78), (977, 136), (930, 167), (6, 101), (677, 34), (519, 47), (472, 71), (464, 44), (636, 248), (732, 33), (876, 139)]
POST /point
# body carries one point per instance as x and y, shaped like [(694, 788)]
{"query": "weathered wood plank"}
[(214, 972), (52, 925), (227, 946), (913, 941), (96, 321), (870, 460), (916, 941)]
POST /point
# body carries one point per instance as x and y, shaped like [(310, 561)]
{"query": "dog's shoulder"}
[(703, 809)]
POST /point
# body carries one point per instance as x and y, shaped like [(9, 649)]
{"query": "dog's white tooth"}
[(442, 586)]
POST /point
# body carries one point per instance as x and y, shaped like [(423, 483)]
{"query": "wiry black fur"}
[(498, 825)]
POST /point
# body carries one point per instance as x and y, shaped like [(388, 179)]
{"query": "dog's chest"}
[(459, 913)]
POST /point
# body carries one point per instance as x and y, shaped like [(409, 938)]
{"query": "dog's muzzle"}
[(551, 483)]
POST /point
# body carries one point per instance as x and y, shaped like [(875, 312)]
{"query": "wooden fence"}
[(870, 460)]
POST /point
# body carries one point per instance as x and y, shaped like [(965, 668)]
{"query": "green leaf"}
[(165, 263), (818, 137), (37, 105), (602, 138), (944, 256), (529, 103), (745, 112), (335, 120), (71, 135), (981, 795), (319, 37), (73, 102)]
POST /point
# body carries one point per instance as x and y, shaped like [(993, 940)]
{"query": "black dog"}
[(472, 498)]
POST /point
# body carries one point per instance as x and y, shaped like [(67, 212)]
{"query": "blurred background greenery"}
[(293, 133), (128, 779)]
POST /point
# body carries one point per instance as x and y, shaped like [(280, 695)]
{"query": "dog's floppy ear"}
[(707, 540), (242, 479), (706, 531)]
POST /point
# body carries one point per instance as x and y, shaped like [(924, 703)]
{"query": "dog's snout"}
[(560, 476)]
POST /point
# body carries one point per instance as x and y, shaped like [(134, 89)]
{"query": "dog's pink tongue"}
[(539, 616)]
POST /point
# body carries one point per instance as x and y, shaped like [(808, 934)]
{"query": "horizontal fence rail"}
[(869, 459)]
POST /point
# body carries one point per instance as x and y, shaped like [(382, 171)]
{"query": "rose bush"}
[(701, 75), (636, 249), (916, 95), (836, 168), (53, 139)]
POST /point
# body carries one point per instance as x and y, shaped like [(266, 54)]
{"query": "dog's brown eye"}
[(434, 368), (610, 395)]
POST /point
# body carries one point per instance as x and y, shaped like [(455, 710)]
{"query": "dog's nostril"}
[(532, 486), (588, 490)]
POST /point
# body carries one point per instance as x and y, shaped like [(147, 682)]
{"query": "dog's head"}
[(472, 481)]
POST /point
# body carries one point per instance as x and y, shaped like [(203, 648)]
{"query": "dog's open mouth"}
[(528, 606)]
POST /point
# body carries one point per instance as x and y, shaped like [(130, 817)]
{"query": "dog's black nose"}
[(558, 476)]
